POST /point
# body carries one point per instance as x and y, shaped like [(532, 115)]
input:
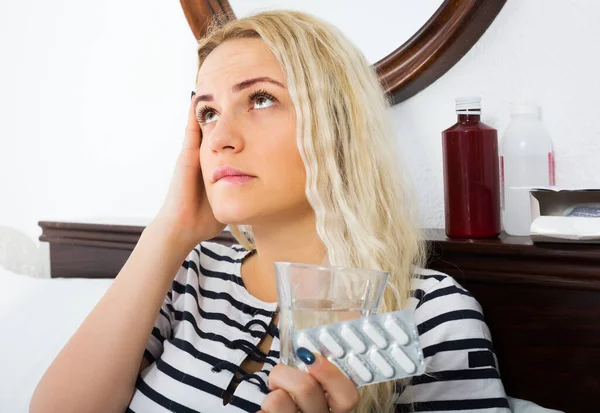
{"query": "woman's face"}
[(248, 123)]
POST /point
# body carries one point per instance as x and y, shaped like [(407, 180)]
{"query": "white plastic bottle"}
[(526, 160)]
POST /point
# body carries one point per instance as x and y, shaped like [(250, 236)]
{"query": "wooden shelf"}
[(510, 259)]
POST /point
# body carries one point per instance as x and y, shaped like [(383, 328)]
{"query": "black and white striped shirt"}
[(209, 324)]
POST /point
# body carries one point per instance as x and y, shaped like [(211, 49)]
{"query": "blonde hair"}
[(362, 204)]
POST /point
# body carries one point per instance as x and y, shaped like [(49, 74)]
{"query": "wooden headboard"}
[(541, 302)]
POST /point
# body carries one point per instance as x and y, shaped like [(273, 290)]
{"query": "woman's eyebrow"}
[(202, 98), (238, 87), (247, 83)]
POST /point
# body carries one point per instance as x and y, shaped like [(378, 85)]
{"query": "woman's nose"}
[(226, 135)]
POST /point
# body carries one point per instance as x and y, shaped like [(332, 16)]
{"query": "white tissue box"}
[(565, 215)]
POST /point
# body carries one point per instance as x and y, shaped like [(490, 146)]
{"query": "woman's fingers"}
[(192, 129), (278, 401), (323, 389), (304, 389), (189, 156), (342, 394)]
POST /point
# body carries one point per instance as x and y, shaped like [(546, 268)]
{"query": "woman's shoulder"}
[(220, 252), (213, 258), (440, 301), (461, 367), (429, 284), (426, 280), (210, 250)]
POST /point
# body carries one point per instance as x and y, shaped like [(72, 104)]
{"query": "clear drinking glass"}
[(315, 295)]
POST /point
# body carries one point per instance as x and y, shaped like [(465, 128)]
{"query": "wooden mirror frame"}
[(442, 41)]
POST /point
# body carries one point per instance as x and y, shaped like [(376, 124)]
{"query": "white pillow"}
[(37, 318), (22, 254)]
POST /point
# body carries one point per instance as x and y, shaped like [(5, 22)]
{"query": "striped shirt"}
[(209, 324)]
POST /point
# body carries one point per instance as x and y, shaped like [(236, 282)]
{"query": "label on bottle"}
[(501, 182), (551, 170)]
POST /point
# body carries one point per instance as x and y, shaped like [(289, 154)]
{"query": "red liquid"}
[(471, 179)]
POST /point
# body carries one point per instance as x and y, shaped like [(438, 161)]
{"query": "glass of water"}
[(315, 295)]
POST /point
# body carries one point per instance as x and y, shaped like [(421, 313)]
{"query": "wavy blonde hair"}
[(362, 204)]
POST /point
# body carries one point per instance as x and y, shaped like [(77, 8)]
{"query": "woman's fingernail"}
[(305, 355), (193, 93)]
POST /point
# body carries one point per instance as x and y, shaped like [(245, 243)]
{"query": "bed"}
[(542, 303), (37, 317)]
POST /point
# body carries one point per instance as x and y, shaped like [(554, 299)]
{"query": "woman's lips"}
[(236, 179), (231, 175)]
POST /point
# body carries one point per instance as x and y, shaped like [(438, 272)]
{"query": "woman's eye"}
[(262, 99), (262, 102), (211, 117), (207, 115)]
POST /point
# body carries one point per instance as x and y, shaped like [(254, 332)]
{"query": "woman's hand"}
[(186, 211), (323, 389)]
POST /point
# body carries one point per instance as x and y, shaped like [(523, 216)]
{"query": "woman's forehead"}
[(237, 60)]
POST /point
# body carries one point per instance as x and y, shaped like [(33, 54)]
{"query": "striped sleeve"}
[(461, 367), (161, 331), (163, 326), (165, 319)]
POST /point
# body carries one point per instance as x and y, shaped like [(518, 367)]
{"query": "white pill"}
[(397, 332), (351, 338), (375, 335), (403, 360), (330, 343), (359, 368), (383, 366), (305, 342)]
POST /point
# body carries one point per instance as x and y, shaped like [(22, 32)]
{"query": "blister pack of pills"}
[(369, 350)]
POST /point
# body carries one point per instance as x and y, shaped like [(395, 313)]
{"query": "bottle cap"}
[(524, 108), (468, 105)]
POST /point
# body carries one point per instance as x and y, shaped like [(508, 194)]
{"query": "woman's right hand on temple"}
[(186, 212)]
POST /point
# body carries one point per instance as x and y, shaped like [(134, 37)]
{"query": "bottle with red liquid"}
[(471, 174)]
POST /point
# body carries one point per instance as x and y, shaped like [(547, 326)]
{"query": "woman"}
[(296, 155)]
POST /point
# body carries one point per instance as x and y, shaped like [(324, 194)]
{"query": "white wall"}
[(93, 100), (93, 105), (377, 34), (546, 50)]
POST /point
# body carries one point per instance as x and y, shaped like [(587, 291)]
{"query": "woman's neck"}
[(296, 241)]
